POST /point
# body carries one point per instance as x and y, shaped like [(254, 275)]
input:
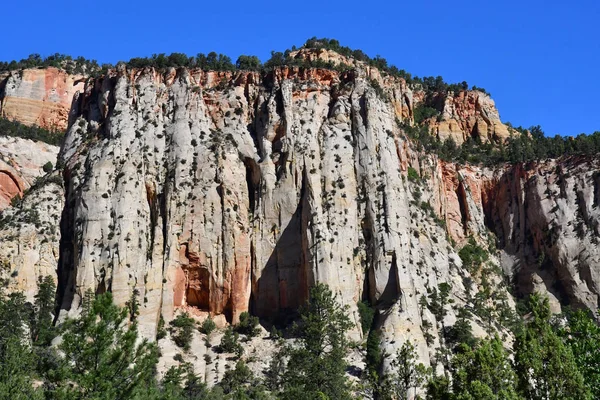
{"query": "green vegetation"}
[(248, 63), (208, 62), (182, 328), (76, 65), (423, 113), (367, 315), (316, 364), (544, 363), (413, 175), (248, 325), (17, 129), (407, 376), (219, 62), (582, 336), (524, 146), (429, 84), (472, 255), (483, 371), (48, 167), (230, 342), (101, 357), (208, 326)]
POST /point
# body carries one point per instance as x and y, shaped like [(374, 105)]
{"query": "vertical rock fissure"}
[(461, 194), (66, 270)]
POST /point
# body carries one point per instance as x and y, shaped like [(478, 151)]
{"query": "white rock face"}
[(548, 224), (30, 235), (21, 162), (219, 193), (232, 192)]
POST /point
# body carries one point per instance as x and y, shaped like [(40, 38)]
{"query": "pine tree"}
[(316, 365), (102, 357), (582, 335), (407, 376), (544, 365), (483, 372), (16, 357), (42, 332)]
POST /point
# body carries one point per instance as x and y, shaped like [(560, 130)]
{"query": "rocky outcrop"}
[(41, 97), (469, 114), (21, 162), (30, 236), (547, 219)]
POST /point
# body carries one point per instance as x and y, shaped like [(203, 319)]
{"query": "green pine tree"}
[(582, 335), (42, 331), (407, 376), (16, 357), (545, 366), (316, 366), (483, 372), (102, 356)]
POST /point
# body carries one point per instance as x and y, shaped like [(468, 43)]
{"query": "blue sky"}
[(539, 59)]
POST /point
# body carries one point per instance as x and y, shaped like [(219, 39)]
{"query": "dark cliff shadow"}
[(283, 285), (281, 288)]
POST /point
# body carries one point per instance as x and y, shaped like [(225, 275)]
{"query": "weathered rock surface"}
[(470, 114), (224, 192), (30, 235), (21, 162), (229, 192), (41, 97)]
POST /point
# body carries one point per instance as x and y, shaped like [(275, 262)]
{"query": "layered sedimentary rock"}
[(469, 114), (39, 97)]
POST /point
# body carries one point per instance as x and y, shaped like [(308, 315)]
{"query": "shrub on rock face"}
[(367, 314), (248, 325), (48, 167), (413, 175), (472, 255), (230, 342), (208, 326), (181, 330)]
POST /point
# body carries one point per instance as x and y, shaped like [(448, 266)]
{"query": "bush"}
[(230, 342), (48, 167), (181, 330), (413, 175), (423, 112), (208, 326), (248, 325), (17, 129), (248, 63), (472, 255), (367, 315)]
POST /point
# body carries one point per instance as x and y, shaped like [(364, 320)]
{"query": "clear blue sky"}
[(539, 59)]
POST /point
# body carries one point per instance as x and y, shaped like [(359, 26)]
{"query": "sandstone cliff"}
[(227, 192), (224, 192), (469, 114), (30, 236), (39, 97), (21, 162)]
